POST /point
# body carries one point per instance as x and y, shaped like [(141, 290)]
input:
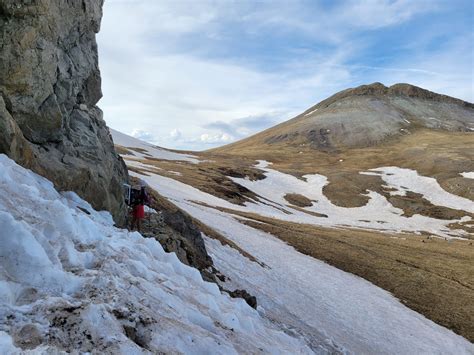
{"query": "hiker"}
[(138, 207)]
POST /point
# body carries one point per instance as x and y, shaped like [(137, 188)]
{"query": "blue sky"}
[(197, 74)]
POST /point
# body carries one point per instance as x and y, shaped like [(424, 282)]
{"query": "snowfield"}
[(150, 149), (377, 214), (335, 311), (71, 281), (403, 180)]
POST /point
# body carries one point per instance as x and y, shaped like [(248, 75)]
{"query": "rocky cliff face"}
[(49, 86)]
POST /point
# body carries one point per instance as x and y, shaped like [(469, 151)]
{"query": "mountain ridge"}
[(399, 89)]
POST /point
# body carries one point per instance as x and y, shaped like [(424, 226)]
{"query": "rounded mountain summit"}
[(368, 127), (366, 116)]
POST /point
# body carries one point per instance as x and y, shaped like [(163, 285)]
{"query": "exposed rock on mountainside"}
[(176, 232), (49, 86), (366, 116)]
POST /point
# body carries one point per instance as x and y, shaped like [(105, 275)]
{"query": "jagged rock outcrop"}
[(49, 87), (177, 232)]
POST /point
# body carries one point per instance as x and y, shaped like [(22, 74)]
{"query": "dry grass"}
[(122, 150), (211, 176), (298, 200), (439, 154)]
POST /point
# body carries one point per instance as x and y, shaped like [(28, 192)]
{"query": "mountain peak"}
[(400, 89), (368, 115)]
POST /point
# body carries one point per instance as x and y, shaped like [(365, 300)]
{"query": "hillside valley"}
[(348, 229), (397, 210)]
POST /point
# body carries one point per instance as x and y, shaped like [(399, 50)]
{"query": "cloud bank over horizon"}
[(198, 74)]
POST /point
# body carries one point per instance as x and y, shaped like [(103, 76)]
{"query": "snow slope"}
[(70, 280), (151, 150), (334, 310)]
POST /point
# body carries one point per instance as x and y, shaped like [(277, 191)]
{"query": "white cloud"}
[(143, 135), (158, 73), (334, 23), (216, 138), (176, 134), (373, 14)]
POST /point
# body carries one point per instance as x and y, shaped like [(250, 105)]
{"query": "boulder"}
[(251, 300)]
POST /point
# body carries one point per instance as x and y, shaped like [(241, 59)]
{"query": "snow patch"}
[(406, 179), (311, 112), (152, 150), (150, 210), (70, 274), (272, 203), (262, 164), (468, 175)]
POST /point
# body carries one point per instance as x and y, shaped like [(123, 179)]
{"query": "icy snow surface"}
[(151, 150), (469, 175), (334, 310), (82, 284)]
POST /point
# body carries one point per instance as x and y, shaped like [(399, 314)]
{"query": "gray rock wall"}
[(49, 87)]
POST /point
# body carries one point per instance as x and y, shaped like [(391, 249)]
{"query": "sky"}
[(198, 74)]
